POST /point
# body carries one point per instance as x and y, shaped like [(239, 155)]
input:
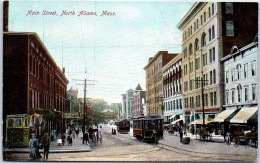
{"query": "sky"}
[(112, 50)]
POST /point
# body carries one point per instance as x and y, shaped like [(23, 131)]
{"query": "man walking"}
[(46, 141)]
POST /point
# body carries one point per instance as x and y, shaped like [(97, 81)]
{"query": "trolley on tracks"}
[(148, 128), (123, 126)]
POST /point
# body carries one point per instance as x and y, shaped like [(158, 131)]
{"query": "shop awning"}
[(223, 115), (178, 120), (173, 116), (244, 115), (200, 121)]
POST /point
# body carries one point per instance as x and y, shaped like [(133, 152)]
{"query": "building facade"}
[(241, 77), (172, 90), (154, 82), (130, 104), (123, 113), (139, 102), (209, 30), (32, 81)]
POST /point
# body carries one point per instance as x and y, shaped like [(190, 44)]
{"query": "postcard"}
[(130, 81)]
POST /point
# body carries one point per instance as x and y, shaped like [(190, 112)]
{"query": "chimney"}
[(63, 70), (5, 15)]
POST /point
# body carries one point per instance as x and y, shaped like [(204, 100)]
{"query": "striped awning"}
[(244, 115), (223, 115), (200, 121)]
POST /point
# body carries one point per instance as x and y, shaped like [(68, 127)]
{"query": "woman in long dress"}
[(34, 147)]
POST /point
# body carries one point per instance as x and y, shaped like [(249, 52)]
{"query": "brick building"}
[(32, 80), (154, 81)]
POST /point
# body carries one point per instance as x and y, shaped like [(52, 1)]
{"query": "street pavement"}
[(125, 147)]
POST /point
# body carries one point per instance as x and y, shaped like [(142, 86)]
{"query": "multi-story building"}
[(139, 101), (154, 82), (241, 77), (210, 30), (123, 113), (172, 90), (130, 104), (32, 81)]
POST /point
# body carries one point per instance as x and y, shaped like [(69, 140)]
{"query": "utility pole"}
[(202, 97), (84, 104)]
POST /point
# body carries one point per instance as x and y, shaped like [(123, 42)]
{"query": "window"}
[(209, 34), (197, 23), (209, 12), (195, 26), (210, 55), (229, 8), (232, 75), (190, 84), (238, 71), (18, 122), (211, 99), (177, 105), (226, 76), (204, 17), (254, 92), (190, 30), (11, 122), (227, 97), (233, 95), (214, 76), (190, 49), (180, 102), (213, 32), (246, 93), (229, 28), (197, 45), (212, 8), (253, 67), (245, 70), (215, 98), (190, 67), (211, 80), (185, 53), (239, 91), (201, 20), (26, 122), (213, 54), (206, 79), (203, 39), (206, 99)]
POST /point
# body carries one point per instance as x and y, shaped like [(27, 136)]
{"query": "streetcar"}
[(123, 126), (148, 128)]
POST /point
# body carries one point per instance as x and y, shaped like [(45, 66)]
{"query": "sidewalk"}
[(77, 146), (214, 138)]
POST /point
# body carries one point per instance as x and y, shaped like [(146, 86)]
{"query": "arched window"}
[(190, 49), (239, 92), (203, 39), (196, 44)]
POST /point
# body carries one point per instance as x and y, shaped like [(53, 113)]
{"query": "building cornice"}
[(189, 15), (239, 51)]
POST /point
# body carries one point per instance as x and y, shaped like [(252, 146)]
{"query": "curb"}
[(51, 151)]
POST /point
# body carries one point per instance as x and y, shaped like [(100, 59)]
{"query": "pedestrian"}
[(181, 134), (59, 141), (34, 148), (46, 141), (63, 138), (112, 130), (69, 140), (86, 138), (77, 133), (73, 134)]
